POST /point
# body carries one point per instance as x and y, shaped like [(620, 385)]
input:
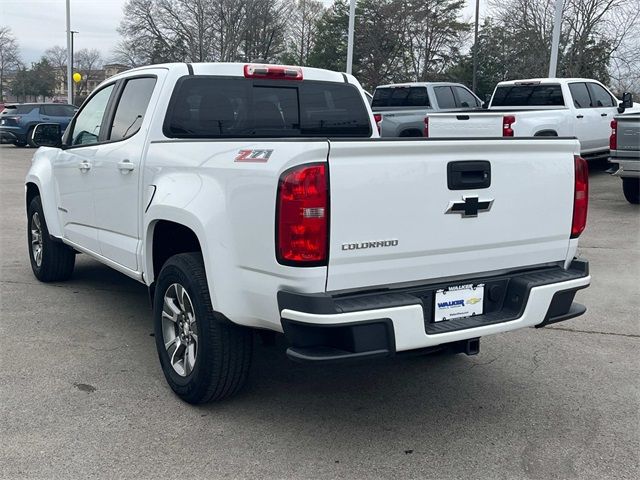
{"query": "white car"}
[(555, 107), (258, 197)]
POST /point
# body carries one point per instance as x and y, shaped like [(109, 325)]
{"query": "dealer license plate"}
[(458, 301)]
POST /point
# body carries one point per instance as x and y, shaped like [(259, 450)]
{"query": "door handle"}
[(46, 118), (84, 166), (125, 166), (603, 114), (579, 116)]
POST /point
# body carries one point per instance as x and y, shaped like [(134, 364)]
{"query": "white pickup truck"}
[(556, 107), (257, 197)]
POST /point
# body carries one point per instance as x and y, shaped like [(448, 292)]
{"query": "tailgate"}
[(628, 133), (465, 125), (389, 201)]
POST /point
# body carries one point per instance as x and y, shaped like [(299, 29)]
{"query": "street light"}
[(352, 21), (475, 50), (555, 39), (72, 32), (69, 57)]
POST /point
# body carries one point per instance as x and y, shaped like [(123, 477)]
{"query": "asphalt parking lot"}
[(82, 394)]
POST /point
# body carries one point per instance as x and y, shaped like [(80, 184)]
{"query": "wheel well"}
[(169, 239), (411, 133), (546, 133), (32, 192)]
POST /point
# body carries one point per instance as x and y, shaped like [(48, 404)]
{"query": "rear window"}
[(216, 107), (58, 110), (18, 109), (527, 95), (400, 97)]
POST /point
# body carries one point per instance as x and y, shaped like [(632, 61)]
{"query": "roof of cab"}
[(545, 81), (417, 84), (237, 70)]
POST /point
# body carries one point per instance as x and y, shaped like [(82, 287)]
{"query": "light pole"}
[(352, 21), (555, 40), (475, 50), (69, 57)]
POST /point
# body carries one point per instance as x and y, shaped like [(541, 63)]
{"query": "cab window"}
[(131, 107), (580, 94), (466, 98), (86, 129), (445, 97), (599, 96)]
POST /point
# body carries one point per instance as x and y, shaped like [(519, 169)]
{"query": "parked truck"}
[(551, 107), (625, 153), (400, 108), (259, 197)]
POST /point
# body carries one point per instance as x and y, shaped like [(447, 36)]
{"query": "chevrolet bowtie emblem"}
[(469, 206)]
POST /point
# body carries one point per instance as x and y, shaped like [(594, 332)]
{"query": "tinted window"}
[(236, 107), (445, 98), (580, 94), (58, 110), (88, 122), (131, 107), (466, 98), (400, 97), (600, 96), (527, 95)]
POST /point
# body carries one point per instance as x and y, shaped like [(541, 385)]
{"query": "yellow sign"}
[(77, 77)]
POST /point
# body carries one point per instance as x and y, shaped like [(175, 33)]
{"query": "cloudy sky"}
[(40, 24)]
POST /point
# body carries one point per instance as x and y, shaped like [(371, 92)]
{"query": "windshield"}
[(213, 107), (527, 95)]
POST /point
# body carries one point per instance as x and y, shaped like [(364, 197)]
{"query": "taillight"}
[(507, 121), (272, 72), (302, 216), (426, 127), (580, 197), (613, 139), (377, 117)]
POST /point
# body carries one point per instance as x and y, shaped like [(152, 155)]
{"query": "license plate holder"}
[(458, 301)]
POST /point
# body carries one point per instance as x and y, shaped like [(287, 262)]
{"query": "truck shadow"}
[(354, 403)]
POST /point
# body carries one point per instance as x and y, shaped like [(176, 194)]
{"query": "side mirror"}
[(47, 135), (627, 102)]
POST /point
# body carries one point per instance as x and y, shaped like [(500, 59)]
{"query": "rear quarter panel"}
[(231, 206)]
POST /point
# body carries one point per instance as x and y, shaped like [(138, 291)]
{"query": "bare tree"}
[(302, 26), (86, 63), (57, 58), (265, 30), (202, 30), (593, 34), (625, 58), (9, 55)]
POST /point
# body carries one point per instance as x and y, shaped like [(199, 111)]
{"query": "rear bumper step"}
[(322, 327)]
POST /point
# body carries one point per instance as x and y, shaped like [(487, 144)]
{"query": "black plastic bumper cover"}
[(506, 297)]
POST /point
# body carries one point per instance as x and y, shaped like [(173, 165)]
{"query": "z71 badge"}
[(257, 156)]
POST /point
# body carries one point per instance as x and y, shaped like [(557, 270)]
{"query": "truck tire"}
[(203, 358), (631, 189), (51, 260)]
